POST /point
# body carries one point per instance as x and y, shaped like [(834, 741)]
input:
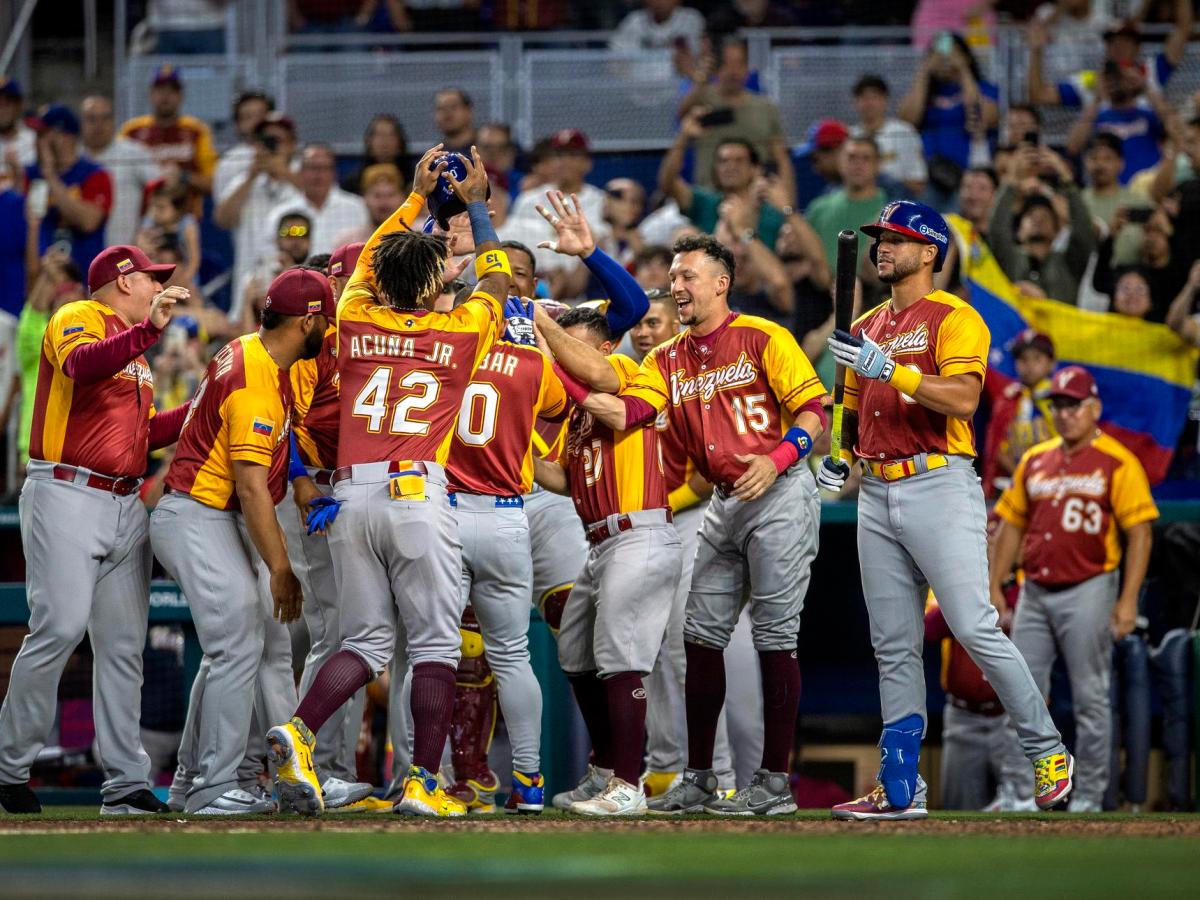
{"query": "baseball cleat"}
[(767, 794), (1052, 779), (139, 803), (290, 749), (528, 794), (619, 798), (594, 780), (18, 799), (423, 796), (1008, 799), (658, 783), (365, 805), (875, 805), (477, 794), (236, 803), (695, 791), (338, 793)]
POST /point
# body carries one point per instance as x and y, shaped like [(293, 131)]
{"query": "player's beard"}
[(901, 269), (312, 344)]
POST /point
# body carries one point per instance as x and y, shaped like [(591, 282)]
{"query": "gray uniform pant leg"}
[(907, 521), (496, 577), (228, 613), (400, 725), (1075, 621), (88, 569), (741, 725), (972, 754), (187, 766)]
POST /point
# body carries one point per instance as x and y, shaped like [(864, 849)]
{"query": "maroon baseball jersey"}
[(733, 391), (491, 451), (315, 416), (1073, 508)]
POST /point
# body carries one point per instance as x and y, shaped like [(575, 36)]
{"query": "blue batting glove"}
[(861, 354), (519, 318), (321, 514)]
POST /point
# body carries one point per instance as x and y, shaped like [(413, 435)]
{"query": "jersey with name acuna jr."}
[(402, 373), (938, 335), (315, 417), (491, 451), (103, 426), (613, 471), (1073, 507), (241, 413), (733, 391)]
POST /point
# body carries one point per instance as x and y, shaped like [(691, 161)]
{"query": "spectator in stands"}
[(454, 116), (1105, 195), (18, 143), (15, 230), (1181, 317), (167, 216), (293, 241), (1076, 29), (1131, 292), (1022, 124), (80, 191), (330, 210), (858, 200), (181, 144), (817, 160), (542, 166), (187, 26), (731, 17), (735, 112), (499, 155), (803, 257), (659, 25), (325, 17), (250, 187), (1018, 411), (933, 17), (762, 287), (652, 267), (572, 161), (976, 192), (383, 143), (624, 202), (214, 324), (1026, 221), (383, 192), (1159, 265), (129, 164), (901, 153), (736, 169), (1180, 162), (250, 108), (955, 110)]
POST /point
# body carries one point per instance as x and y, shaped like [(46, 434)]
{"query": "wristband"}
[(482, 229), (296, 467), (800, 439), (905, 380), (491, 262)]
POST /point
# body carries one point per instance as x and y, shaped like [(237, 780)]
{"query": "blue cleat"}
[(528, 794)]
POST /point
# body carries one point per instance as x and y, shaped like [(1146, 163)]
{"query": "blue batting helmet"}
[(443, 203), (916, 220)]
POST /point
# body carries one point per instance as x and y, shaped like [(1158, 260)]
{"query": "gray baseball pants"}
[(974, 749)]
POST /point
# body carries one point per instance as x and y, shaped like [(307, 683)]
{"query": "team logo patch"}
[(263, 427), (335, 268), (124, 266), (314, 306), (72, 329)]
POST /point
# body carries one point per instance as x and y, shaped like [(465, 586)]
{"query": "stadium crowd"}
[(1107, 221)]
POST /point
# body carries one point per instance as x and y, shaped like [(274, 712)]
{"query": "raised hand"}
[(426, 176), (570, 225), (163, 305), (474, 186)]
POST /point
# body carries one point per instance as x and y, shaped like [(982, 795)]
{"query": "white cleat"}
[(619, 798), (339, 793), (594, 781), (237, 803)]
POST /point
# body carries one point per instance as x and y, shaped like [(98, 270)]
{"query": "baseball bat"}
[(843, 304)]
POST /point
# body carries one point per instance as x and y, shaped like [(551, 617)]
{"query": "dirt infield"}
[(1063, 825)]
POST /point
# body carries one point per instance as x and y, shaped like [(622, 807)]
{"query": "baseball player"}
[(1076, 500), (617, 614), (228, 474), (403, 372), (747, 404), (83, 526), (915, 368)]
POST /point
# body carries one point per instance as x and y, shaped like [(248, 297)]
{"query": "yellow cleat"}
[(1052, 779), (296, 783), (656, 783), (365, 805), (423, 796)]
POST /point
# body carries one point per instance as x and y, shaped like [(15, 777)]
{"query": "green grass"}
[(847, 860)]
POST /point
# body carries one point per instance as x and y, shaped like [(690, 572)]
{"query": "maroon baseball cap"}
[(344, 259), (570, 140), (1074, 382), (1031, 339), (123, 260), (300, 291)]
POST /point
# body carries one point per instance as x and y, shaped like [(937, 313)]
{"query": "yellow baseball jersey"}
[(733, 391), (241, 413), (1073, 508), (938, 335), (315, 416)]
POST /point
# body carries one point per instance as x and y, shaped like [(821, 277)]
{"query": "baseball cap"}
[(298, 292), (825, 134), (166, 74), (569, 140), (58, 116), (123, 260), (343, 260), (1074, 382), (10, 87), (1031, 339)]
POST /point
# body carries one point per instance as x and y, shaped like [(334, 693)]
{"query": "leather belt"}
[(896, 469), (394, 467), (601, 531), (121, 486), (323, 477), (989, 708)]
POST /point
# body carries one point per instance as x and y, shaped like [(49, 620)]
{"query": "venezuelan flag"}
[(1144, 370)]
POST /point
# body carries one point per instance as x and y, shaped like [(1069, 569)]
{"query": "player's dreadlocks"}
[(408, 267)]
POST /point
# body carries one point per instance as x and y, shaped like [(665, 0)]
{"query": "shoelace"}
[(1043, 774), (878, 796)]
